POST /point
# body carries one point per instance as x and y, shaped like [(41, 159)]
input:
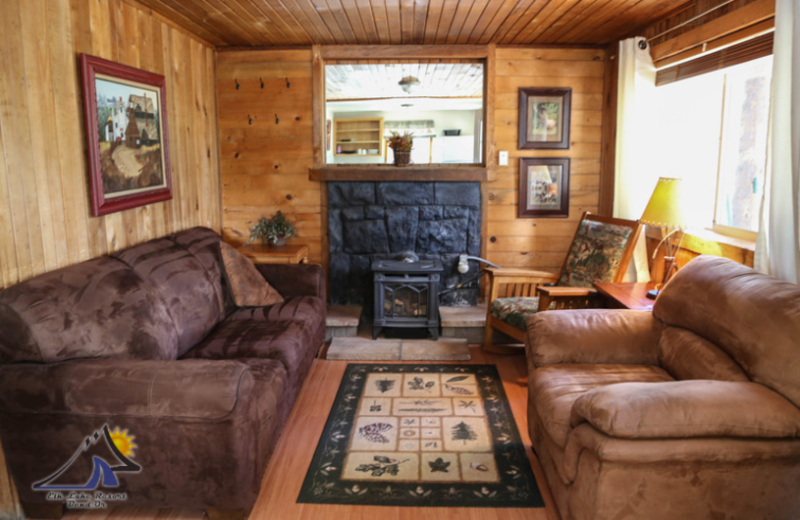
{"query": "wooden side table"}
[(627, 295), (288, 254)]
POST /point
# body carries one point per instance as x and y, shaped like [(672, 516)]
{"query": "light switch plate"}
[(502, 159)]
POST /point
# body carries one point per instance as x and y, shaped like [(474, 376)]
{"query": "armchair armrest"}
[(295, 279), (555, 291), (513, 275), (197, 389), (524, 281), (685, 409), (598, 336), (566, 297)]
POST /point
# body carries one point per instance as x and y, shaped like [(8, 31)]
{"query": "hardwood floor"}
[(289, 464)]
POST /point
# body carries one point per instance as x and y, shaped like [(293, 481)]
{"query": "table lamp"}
[(667, 210)]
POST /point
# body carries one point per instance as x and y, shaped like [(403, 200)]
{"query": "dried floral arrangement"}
[(401, 143)]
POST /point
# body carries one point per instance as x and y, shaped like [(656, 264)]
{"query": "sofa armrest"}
[(597, 336), (686, 409), (295, 279), (197, 389)]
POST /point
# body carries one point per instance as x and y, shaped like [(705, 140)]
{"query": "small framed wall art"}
[(544, 118), (125, 111), (544, 187)]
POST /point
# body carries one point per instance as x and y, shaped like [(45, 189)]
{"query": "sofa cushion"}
[(515, 311), (300, 308), (685, 355), (182, 283), (685, 409), (248, 287), (754, 318), (556, 387), (293, 343), (95, 309), (196, 389), (203, 243)]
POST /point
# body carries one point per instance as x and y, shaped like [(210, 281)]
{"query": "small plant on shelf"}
[(402, 145), (273, 230)]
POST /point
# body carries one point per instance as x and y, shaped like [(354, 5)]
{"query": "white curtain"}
[(634, 178), (778, 244)]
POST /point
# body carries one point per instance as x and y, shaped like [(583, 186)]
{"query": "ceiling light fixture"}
[(409, 84)]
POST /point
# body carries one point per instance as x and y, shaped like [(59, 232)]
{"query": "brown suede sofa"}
[(148, 340), (689, 412)]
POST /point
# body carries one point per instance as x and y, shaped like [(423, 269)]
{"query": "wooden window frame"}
[(480, 53)]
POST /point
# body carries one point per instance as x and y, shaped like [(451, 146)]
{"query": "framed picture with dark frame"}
[(544, 118), (125, 112), (544, 187)]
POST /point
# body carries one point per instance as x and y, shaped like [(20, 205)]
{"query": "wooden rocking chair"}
[(600, 252)]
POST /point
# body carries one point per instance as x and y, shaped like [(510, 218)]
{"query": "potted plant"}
[(402, 145), (273, 230)]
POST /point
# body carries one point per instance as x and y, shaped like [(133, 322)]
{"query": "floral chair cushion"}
[(595, 254), (515, 311)]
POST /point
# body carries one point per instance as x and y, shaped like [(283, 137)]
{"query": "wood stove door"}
[(407, 302)]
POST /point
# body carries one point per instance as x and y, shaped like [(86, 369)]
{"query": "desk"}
[(288, 254), (627, 295)]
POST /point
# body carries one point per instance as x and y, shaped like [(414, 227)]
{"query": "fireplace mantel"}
[(390, 173)]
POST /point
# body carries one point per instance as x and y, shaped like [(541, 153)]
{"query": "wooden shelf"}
[(390, 172), (349, 133)]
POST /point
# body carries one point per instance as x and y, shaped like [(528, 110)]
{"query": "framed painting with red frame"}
[(125, 111), (544, 187)]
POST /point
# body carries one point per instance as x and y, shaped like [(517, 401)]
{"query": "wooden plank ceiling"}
[(380, 80), (327, 22)]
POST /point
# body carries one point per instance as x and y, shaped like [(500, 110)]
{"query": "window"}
[(711, 130), (743, 145)]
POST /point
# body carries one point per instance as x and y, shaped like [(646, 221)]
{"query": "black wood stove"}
[(407, 294)]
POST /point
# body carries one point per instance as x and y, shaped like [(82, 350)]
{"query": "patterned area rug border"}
[(517, 486)]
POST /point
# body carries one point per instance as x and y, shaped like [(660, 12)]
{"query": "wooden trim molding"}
[(361, 52), (608, 152), (390, 173)]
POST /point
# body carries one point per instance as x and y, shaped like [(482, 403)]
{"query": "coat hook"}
[(249, 119), (276, 119), (237, 83), (288, 85), (262, 82)]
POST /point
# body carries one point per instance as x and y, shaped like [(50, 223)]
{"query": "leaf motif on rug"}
[(457, 390), (374, 432), (382, 466), (439, 465)]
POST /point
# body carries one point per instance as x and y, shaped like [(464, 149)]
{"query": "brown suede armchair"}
[(148, 340), (689, 412)]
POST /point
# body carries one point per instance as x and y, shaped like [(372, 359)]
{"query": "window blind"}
[(740, 53)]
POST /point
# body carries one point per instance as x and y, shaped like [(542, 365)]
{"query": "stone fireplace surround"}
[(378, 220)]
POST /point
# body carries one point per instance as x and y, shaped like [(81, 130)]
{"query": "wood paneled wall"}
[(264, 165), (45, 209), (542, 243)]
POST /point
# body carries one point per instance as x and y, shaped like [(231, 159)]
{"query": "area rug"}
[(432, 435), (366, 349)]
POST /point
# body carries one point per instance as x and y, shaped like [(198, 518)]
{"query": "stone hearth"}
[(377, 220)]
